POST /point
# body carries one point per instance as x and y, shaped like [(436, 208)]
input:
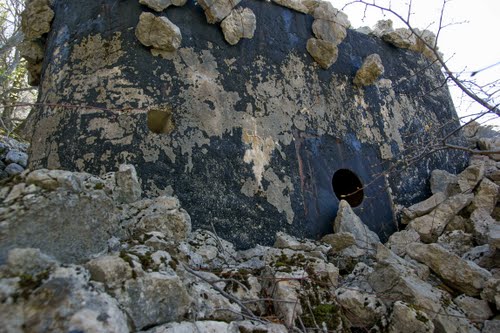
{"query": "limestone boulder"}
[(458, 273), (469, 178), (485, 196), (162, 214), (432, 225), (348, 221), (111, 270), (161, 5), (491, 326), (361, 309), (475, 309), (370, 71), (328, 30), (302, 6), (452, 319), (494, 236), (481, 223), (401, 37), (217, 10), (457, 242), (158, 32), (484, 256), (405, 318), (444, 182), (491, 292), (153, 299), (398, 241), (326, 11), (423, 207), (382, 27), (323, 52), (240, 23), (29, 261), (339, 241), (128, 188), (79, 224), (36, 18)]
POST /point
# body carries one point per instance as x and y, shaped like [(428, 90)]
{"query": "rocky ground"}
[(81, 253)]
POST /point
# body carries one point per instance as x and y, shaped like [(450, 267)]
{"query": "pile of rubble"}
[(13, 157), (80, 253)]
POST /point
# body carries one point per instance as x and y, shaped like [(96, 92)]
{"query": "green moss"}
[(28, 283), (98, 186), (322, 313), (126, 258)]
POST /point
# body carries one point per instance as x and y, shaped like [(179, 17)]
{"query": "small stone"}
[(382, 27), (18, 157), (158, 32), (128, 188), (494, 236), (491, 292), (481, 222), (110, 270), (13, 169), (445, 182), (398, 241), (326, 11), (330, 31), (241, 23), (486, 196), (405, 318), (302, 6), (161, 5), (339, 241), (361, 309), (324, 53), (456, 241), (370, 71), (491, 326), (402, 38), (285, 241), (422, 207), (458, 273), (217, 10), (36, 18), (16, 192), (469, 178), (475, 309)]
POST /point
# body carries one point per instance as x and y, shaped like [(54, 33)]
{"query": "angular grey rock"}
[(452, 319), (481, 222), (401, 37), (241, 23), (370, 71), (484, 256), (53, 179), (71, 227), (348, 221), (13, 169), (423, 207), (158, 32), (491, 326), (29, 261), (302, 6), (339, 241), (445, 182), (475, 309), (110, 270), (329, 30), (405, 318), (494, 236), (361, 309), (252, 326), (491, 292), (326, 11), (432, 225), (285, 241), (323, 52), (486, 196), (128, 188), (66, 303), (163, 214), (460, 274), (398, 241), (382, 27), (456, 241), (161, 5), (153, 299), (18, 157), (469, 178), (217, 10)]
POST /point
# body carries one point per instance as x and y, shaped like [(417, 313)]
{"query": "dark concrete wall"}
[(259, 128)]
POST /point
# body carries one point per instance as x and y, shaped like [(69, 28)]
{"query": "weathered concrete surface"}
[(257, 130)]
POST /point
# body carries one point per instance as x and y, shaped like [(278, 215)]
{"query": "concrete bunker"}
[(254, 132)]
